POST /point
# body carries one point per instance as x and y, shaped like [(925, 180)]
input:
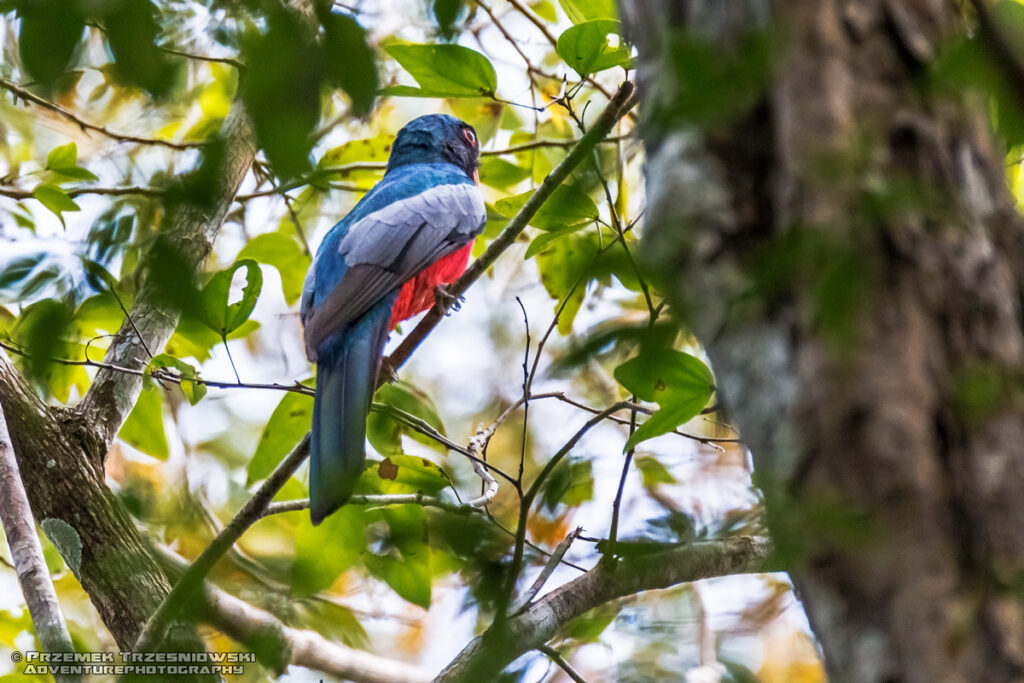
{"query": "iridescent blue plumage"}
[(426, 208)]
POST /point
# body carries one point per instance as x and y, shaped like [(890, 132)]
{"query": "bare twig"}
[(545, 573), (380, 500), (527, 500), (230, 61), (30, 96), (27, 553), (563, 664)]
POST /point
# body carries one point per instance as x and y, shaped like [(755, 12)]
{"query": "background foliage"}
[(109, 126)]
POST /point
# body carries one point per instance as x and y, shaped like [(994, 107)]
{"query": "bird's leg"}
[(447, 299)]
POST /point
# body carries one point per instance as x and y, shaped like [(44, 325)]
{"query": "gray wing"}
[(387, 247)]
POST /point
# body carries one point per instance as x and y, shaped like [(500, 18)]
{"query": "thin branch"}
[(192, 579), (27, 553), (380, 501), (549, 567), (29, 96), (526, 395), (203, 58), (527, 500), (563, 664), (619, 105), (613, 532), (125, 190), (542, 27), (164, 374)]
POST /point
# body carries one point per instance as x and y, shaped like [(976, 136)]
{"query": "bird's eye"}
[(470, 136)]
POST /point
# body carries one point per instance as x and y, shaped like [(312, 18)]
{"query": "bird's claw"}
[(388, 371), (447, 299)]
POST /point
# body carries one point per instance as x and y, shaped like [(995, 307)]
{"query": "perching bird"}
[(378, 266)]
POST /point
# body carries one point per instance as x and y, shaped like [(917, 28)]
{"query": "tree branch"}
[(58, 457), (379, 500), (489, 653), (27, 553), (113, 394), (277, 645)]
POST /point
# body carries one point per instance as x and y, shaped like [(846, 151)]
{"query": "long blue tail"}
[(346, 377)]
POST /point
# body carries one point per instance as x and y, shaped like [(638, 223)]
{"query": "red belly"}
[(417, 294)]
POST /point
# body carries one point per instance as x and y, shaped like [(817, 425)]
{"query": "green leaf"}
[(653, 472), (567, 206), (281, 90), (64, 160), (355, 151), (680, 383), (216, 311), (660, 375), (54, 199), (51, 31), (484, 115), (406, 474), (287, 425), (66, 540), (62, 157), (443, 71), (544, 239), (571, 483), (384, 428), (193, 338), (580, 11), (446, 13), (499, 173), (323, 553), (545, 10), (586, 48), (194, 391), (408, 576), (144, 428), (564, 267), (282, 251), (130, 28), (43, 327), (663, 421), (589, 626), (403, 559), (350, 60)]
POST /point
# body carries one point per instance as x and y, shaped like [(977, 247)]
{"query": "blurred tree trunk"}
[(840, 236)]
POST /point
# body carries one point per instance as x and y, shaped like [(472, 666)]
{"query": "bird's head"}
[(437, 138)]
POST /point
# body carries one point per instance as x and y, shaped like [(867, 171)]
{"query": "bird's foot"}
[(388, 371), (447, 299)]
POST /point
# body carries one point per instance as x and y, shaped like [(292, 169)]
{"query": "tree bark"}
[(846, 248), (535, 624), (27, 554), (58, 458), (61, 451)]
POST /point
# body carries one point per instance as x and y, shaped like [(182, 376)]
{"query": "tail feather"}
[(345, 381)]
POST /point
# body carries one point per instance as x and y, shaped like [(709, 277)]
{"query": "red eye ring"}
[(470, 136)]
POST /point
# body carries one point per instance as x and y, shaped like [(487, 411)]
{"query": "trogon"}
[(381, 264)]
